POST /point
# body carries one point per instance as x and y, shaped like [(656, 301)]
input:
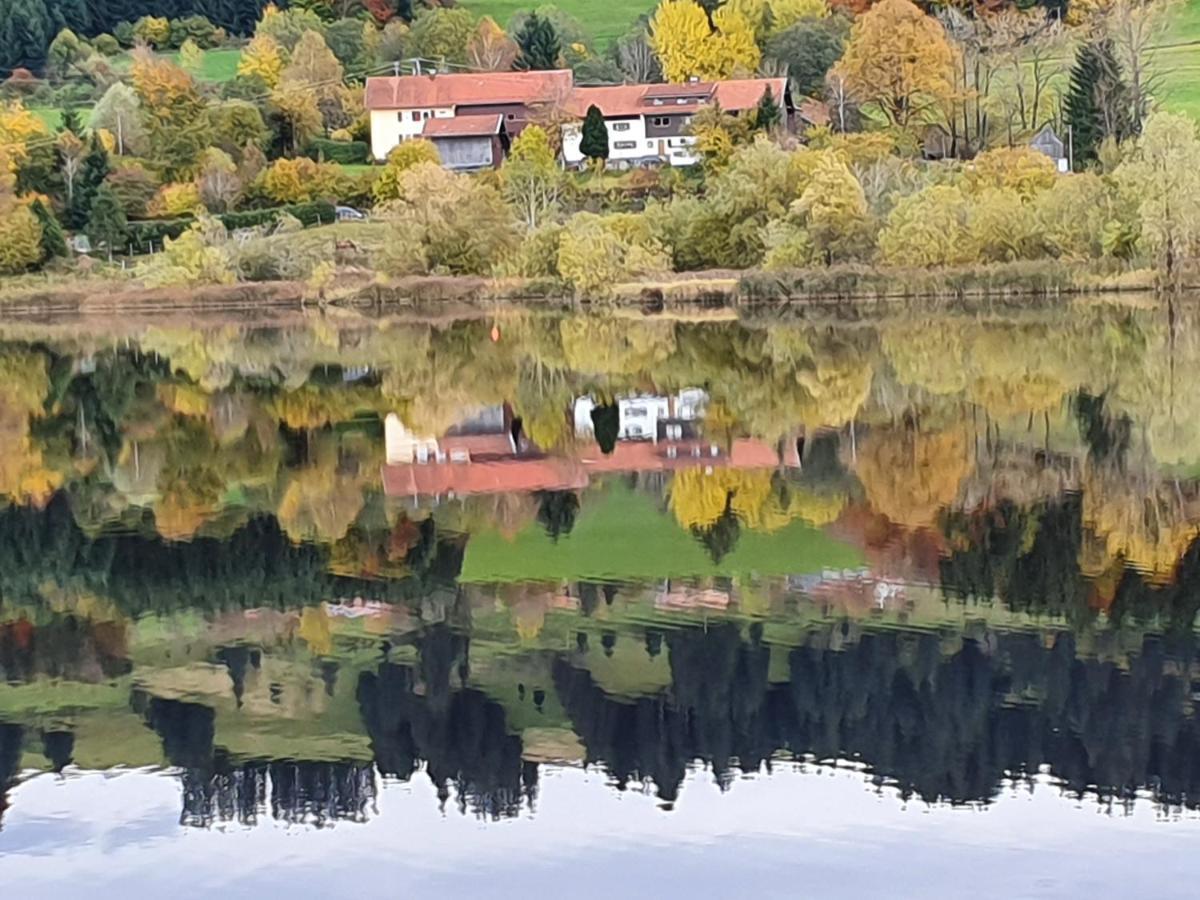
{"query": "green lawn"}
[(605, 22), (622, 534), (1180, 65)]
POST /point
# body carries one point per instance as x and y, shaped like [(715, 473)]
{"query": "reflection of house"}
[(649, 417), (488, 454)]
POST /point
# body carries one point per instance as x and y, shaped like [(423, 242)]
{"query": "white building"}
[(400, 106)]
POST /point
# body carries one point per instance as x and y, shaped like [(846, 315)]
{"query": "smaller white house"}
[(651, 123), (647, 417)]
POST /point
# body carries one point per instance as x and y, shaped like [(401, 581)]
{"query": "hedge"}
[(347, 153), (144, 232)]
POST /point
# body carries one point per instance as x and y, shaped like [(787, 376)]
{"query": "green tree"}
[(767, 115), (594, 137), (539, 43), (106, 224), (54, 241), (809, 49), (442, 34), (25, 32), (92, 172), (1097, 103)]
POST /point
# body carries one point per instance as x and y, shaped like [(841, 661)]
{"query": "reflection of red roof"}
[(477, 444), (429, 91), (463, 126), (543, 473), (489, 477), (638, 99)]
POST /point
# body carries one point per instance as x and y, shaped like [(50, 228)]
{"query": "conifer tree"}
[(768, 114), (539, 43), (106, 224), (91, 176), (1097, 104), (54, 242), (594, 139)]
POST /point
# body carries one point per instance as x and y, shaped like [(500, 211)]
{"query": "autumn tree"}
[(310, 94), (490, 49), (120, 114), (1162, 176), (173, 114), (262, 60), (531, 179), (899, 61), (402, 158), (688, 45), (928, 228), (442, 34)]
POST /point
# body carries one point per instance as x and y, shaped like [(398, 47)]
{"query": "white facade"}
[(627, 141), (639, 415), (390, 127)]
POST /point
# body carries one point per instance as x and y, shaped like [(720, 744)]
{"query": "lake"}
[(838, 601)]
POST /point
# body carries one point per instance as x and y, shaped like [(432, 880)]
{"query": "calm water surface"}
[(883, 604)]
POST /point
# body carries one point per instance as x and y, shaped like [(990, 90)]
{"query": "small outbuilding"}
[(469, 143), (1048, 142)]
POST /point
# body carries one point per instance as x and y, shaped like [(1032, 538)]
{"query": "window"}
[(624, 145), (620, 126), (416, 115), (660, 121), (425, 114), (400, 116)]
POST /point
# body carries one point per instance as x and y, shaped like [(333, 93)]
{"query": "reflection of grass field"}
[(1180, 65), (622, 534), (604, 22)]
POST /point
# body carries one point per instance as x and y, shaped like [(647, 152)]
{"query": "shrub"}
[(201, 255), (134, 186), (1022, 170), (301, 180), (596, 252), (400, 160), (153, 30), (928, 228), (346, 152), (198, 29), (106, 45), (174, 200), (442, 222)]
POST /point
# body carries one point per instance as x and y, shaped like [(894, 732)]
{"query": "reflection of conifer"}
[(557, 511), (721, 536)]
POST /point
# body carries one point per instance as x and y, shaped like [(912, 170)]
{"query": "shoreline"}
[(1021, 283)]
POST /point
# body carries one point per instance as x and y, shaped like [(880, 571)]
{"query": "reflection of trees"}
[(11, 737), (412, 715), (942, 726)]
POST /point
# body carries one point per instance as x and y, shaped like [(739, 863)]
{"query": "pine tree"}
[(92, 173), (54, 242), (25, 33), (768, 114), (70, 122), (1097, 104), (106, 224), (539, 43), (594, 139)]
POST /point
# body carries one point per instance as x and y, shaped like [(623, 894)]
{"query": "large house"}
[(651, 122), (411, 106), (472, 117)]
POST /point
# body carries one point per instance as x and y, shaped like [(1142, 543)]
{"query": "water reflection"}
[(297, 560)]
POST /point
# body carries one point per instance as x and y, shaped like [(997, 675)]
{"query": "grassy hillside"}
[(605, 22), (1179, 60)]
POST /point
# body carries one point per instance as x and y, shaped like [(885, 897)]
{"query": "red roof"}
[(549, 473), (432, 91), (463, 126), (638, 99)]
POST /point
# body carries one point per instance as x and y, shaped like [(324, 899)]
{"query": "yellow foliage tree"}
[(300, 180), (262, 59), (899, 61), (174, 200), (687, 46), (929, 228), (1021, 170), (20, 236), (402, 158), (198, 256), (18, 126)]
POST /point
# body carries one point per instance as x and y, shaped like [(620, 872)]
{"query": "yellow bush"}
[(175, 200)]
